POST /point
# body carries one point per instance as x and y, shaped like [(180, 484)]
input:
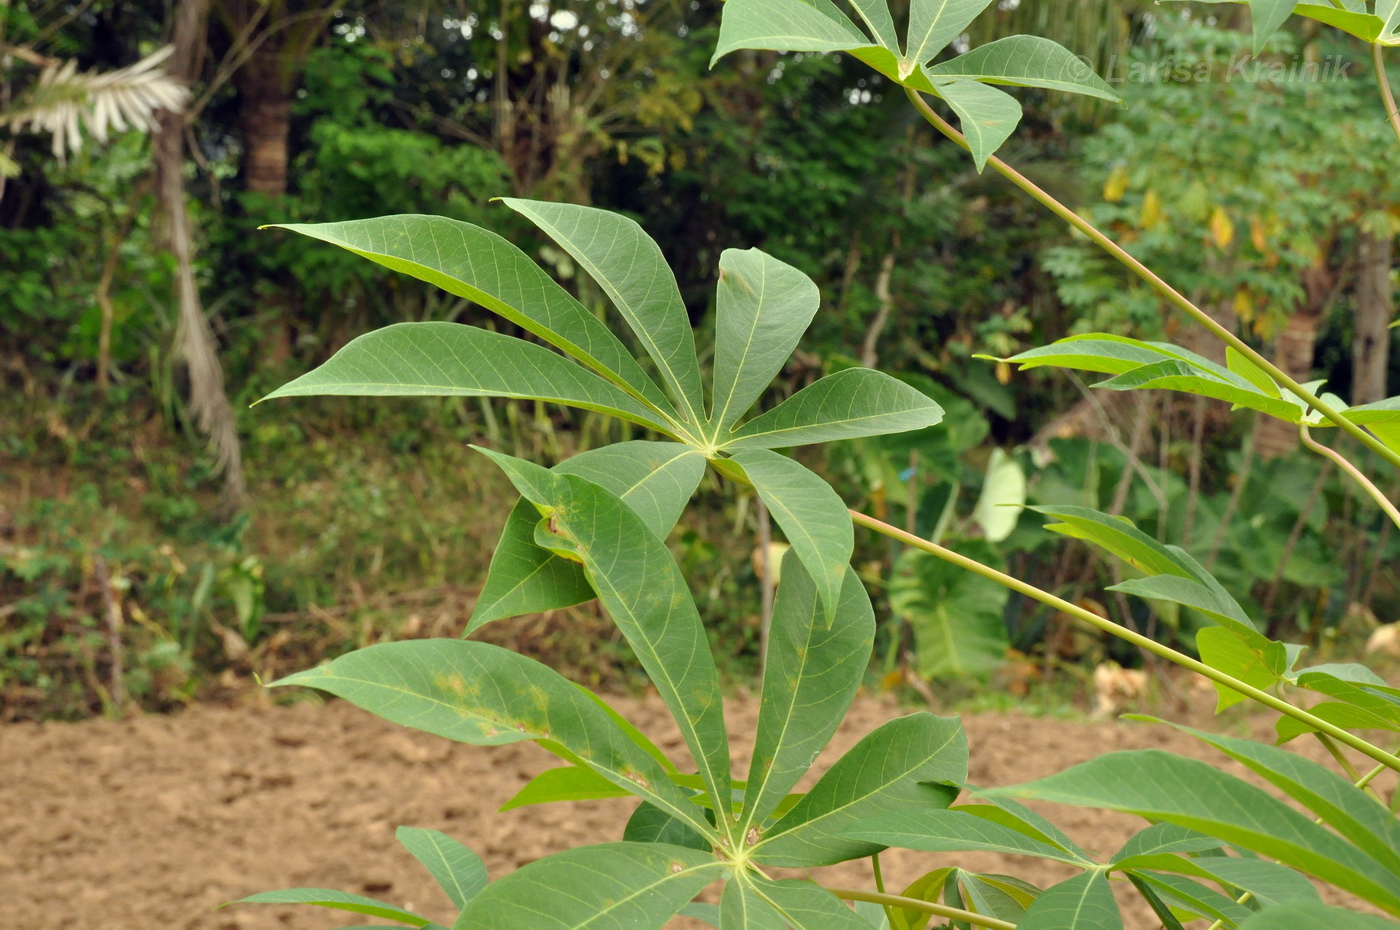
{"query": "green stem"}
[(928, 907), (1171, 294), (1387, 95), (1356, 474), (880, 884), (1137, 639)]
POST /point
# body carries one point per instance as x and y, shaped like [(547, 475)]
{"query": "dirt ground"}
[(154, 822)]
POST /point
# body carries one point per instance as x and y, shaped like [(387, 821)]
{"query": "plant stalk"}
[(1355, 473), (928, 907), (1171, 294), (1137, 639), (1383, 81)]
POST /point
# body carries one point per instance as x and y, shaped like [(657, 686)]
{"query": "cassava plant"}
[(1218, 850)]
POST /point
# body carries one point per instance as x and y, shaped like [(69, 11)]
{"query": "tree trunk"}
[(194, 339), (1375, 305), (1294, 354), (265, 116)]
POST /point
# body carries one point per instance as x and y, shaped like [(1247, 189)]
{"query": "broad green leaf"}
[(933, 25), (1191, 895), (999, 896), (1267, 16), (927, 887), (1003, 497), (814, 519), (1355, 688), (1334, 799), (628, 265), (638, 738), (642, 588), (656, 479), (613, 886), (784, 26), (1389, 11), (1162, 839), (1317, 676), (741, 907), (1251, 372), (806, 906), (1346, 716), (1085, 902), (951, 831), (449, 359), (873, 914), (1161, 786), (763, 308), (1018, 817), (525, 579), (1294, 916), (338, 901), (479, 265), (1206, 596), (810, 677), (484, 695), (989, 116), (850, 404), (459, 871), (956, 616), (877, 18), (1269, 882), (1254, 660), (1382, 418), (566, 783), (1174, 375), (903, 765), (1026, 61), (1101, 352), (650, 824)]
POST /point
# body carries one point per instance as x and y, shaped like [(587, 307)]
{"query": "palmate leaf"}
[(1025, 61), (650, 824), (452, 360), (811, 514), (628, 265), (850, 404), (952, 831), (487, 696), (743, 908), (810, 678), (1139, 365), (933, 25), (989, 116), (787, 25), (613, 886), (763, 308), (643, 591), (806, 906), (1192, 794), (477, 264), (1340, 804), (655, 479), (457, 870), (905, 764), (1085, 902)]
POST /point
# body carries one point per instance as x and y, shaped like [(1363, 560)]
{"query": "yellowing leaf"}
[(1117, 185), (1151, 210), (1222, 230), (1244, 305)]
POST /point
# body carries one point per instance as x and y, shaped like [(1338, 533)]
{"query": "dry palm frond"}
[(63, 100)]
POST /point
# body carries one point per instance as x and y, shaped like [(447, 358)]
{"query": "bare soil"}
[(156, 821)]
